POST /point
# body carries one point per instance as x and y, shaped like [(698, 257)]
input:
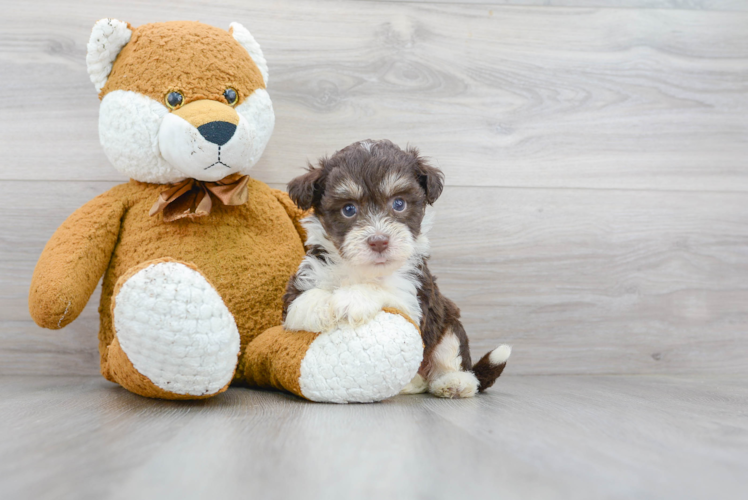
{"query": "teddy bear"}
[(194, 253)]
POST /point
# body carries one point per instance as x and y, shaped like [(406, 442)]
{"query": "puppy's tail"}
[(490, 366)]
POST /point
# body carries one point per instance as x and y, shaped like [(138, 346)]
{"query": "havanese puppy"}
[(367, 249)]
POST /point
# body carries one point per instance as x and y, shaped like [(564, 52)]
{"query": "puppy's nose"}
[(217, 132), (378, 242)]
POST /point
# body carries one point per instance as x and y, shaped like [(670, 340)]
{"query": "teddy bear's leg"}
[(348, 364), (174, 336)]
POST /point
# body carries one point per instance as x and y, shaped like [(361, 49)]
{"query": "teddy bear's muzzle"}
[(206, 140)]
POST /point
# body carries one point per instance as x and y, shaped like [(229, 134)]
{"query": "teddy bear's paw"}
[(175, 329), (454, 385), (367, 363)]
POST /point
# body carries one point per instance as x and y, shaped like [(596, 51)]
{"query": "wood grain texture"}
[(595, 158), (613, 437), (719, 5), (511, 96), (579, 281), (595, 218)]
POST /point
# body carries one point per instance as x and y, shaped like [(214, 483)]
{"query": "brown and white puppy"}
[(367, 249)]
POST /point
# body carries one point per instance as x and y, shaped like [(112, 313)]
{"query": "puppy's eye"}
[(349, 210), (174, 99), (231, 96), (398, 204)]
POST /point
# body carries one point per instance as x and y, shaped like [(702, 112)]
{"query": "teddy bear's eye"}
[(231, 96), (174, 99)]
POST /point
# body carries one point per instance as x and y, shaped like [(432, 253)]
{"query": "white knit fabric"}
[(108, 36), (362, 364), (246, 40), (176, 330), (131, 126)]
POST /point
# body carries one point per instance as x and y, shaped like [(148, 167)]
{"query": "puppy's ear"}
[(430, 178), (306, 190)]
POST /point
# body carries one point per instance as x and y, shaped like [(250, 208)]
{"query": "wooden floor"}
[(580, 437), (595, 217)]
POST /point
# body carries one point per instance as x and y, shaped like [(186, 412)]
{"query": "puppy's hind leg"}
[(446, 376), (418, 385)]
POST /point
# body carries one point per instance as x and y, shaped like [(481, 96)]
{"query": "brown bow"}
[(191, 198)]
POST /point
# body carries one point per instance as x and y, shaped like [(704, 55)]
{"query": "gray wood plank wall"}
[(596, 214), (719, 5)]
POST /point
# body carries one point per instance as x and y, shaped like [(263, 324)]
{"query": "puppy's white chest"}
[(400, 296)]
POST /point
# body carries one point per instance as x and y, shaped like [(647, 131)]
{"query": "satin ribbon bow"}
[(191, 198)]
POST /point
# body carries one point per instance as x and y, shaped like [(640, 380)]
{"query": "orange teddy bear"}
[(194, 253)]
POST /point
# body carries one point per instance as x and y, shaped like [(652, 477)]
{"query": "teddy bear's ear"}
[(107, 39), (246, 40)]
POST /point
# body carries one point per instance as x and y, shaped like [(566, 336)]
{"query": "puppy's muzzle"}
[(378, 242)]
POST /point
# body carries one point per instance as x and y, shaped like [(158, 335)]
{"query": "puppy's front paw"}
[(321, 320), (311, 312), (355, 305), (454, 385)]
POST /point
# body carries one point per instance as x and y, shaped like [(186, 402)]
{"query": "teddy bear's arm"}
[(73, 260), (294, 212)]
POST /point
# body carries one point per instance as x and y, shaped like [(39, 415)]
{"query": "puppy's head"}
[(370, 198)]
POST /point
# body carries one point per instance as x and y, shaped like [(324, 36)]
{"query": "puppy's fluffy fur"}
[(367, 249)]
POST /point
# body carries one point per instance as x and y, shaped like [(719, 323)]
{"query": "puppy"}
[(367, 249)]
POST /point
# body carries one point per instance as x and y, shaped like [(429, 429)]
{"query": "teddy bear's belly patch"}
[(175, 329), (248, 261), (362, 364)]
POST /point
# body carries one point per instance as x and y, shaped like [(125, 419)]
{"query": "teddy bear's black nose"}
[(217, 132)]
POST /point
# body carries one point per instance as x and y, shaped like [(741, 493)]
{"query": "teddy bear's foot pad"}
[(175, 330), (362, 364)]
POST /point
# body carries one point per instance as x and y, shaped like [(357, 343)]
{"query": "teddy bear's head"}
[(180, 99)]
